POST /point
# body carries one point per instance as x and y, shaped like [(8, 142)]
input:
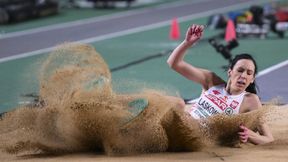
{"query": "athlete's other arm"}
[(264, 134), (176, 60)]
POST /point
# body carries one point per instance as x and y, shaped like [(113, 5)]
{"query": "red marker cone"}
[(174, 30), (230, 32)]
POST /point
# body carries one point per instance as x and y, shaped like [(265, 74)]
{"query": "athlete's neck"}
[(230, 90)]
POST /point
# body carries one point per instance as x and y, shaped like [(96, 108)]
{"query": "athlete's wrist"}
[(186, 44)]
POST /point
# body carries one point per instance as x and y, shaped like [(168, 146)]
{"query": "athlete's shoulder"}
[(251, 101), (251, 96)]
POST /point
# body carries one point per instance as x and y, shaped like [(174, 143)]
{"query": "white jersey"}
[(216, 100)]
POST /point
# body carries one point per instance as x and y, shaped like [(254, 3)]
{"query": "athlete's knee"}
[(179, 103), (182, 103)]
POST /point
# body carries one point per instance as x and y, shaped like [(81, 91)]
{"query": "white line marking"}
[(90, 20), (27, 54), (272, 68)]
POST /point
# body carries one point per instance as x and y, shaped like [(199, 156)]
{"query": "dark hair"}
[(252, 88)]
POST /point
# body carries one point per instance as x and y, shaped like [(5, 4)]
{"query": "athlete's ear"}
[(252, 81)]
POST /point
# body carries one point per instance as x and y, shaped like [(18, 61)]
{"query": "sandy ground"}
[(276, 151), (256, 153)]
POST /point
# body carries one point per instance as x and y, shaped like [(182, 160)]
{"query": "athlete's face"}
[(241, 75)]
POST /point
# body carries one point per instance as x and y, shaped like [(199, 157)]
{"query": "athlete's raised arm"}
[(176, 60)]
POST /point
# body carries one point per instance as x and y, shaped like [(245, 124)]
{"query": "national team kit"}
[(216, 100)]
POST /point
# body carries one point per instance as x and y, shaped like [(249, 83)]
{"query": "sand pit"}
[(81, 118)]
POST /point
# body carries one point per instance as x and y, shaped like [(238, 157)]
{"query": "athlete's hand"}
[(194, 33), (244, 133)]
